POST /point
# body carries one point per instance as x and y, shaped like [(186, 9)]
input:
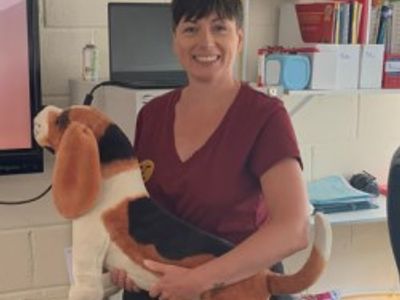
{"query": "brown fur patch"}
[(93, 118), (253, 288), (290, 284), (76, 176)]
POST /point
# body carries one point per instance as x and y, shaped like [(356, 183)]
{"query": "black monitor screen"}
[(140, 37)]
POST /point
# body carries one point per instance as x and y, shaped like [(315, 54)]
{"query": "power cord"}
[(89, 97), (21, 202), (87, 101)]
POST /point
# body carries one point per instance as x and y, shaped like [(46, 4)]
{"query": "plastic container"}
[(90, 61)]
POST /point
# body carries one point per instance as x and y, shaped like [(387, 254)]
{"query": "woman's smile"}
[(206, 59)]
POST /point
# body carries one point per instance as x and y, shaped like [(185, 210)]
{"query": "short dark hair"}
[(197, 9)]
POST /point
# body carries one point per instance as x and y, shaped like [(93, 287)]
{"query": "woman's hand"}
[(175, 283), (120, 279)]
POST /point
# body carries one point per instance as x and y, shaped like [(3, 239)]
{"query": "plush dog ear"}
[(77, 174)]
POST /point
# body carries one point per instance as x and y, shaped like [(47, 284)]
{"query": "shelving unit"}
[(308, 95), (341, 92)]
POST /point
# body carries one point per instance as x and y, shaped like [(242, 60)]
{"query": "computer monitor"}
[(140, 41), (20, 93)]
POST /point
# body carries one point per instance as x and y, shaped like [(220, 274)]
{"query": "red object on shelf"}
[(316, 21), (383, 189), (391, 71)]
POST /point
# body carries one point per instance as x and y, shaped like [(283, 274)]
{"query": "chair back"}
[(393, 206)]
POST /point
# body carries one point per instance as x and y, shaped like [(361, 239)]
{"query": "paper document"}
[(334, 189)]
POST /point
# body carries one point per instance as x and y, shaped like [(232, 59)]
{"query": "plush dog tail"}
[(278, 284)]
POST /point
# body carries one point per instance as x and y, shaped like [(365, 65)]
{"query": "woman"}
[(221, 156)]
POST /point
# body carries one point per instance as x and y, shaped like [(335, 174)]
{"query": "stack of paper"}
[(334, 194)]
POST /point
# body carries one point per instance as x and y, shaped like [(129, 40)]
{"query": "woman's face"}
[(207, 47)]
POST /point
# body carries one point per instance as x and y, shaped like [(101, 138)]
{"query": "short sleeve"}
[(276, 141)]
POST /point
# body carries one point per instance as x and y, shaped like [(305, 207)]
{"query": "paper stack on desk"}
[(335, 194)]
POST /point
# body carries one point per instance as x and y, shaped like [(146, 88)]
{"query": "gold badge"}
[(147, 168)]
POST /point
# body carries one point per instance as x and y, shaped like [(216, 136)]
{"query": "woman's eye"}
[(190, 29), (220, 28)]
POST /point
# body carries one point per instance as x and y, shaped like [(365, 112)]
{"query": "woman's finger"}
[(115, 275), (131, 286), (164, 296), (155, 292), (121, 279)]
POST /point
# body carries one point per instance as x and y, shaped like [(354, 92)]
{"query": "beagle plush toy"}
[(97, 183)]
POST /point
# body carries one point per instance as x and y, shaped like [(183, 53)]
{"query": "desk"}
[(361, 216)]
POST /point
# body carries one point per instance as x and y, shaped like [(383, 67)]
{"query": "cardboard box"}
[(371, 66)]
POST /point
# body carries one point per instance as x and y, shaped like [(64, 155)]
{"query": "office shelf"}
[(340, 92)]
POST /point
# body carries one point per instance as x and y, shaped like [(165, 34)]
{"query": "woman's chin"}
[(204, 77)]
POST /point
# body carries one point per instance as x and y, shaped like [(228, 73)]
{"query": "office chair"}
[(393, 206)]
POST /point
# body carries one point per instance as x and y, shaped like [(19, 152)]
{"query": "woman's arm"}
[(284, 233)]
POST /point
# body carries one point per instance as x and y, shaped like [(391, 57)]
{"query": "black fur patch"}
[(173, 238), (62, 120), (114, 145)]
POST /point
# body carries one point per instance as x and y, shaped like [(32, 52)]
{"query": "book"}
[(364, 28), (395, 32), (386, 15), (316, 21), (344, 23), (374, 23)]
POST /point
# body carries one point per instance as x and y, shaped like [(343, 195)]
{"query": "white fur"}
[(323, 235), (41, 125), (92, 248)]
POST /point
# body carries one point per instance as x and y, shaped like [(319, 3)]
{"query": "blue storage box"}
[(292, 71)]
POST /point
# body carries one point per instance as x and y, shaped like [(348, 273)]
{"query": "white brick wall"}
[(342, 134)]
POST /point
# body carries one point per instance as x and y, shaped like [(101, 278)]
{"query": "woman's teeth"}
[(209, 58)]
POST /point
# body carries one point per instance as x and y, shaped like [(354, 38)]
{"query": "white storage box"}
[(323, 70), (371, 66)]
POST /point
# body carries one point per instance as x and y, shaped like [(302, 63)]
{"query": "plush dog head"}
[(88, 147)]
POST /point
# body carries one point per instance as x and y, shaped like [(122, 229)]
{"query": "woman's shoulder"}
[(257, 101), (160, 103)]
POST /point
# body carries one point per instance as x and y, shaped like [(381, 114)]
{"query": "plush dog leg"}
[(90, 243)]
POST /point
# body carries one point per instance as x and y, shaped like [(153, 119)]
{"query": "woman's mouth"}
[(206, 58)]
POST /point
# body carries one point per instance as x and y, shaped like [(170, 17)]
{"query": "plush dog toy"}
[(97, 183)]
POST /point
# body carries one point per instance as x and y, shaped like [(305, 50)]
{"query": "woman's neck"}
[(213, 92)]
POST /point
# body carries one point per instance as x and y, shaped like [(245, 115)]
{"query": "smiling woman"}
[(221, 154)]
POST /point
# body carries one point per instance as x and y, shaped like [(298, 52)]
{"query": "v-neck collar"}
[(209, 141)]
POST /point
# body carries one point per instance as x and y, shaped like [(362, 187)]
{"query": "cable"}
[(21, 202), (89, 97)]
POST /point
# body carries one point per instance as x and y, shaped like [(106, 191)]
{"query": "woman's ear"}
[(240, 41), (77, 171)]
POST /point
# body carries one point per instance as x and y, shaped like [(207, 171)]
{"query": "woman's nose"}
[(206, 38)]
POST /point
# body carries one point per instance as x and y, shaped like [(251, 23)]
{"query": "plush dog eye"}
[(62, 120)]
